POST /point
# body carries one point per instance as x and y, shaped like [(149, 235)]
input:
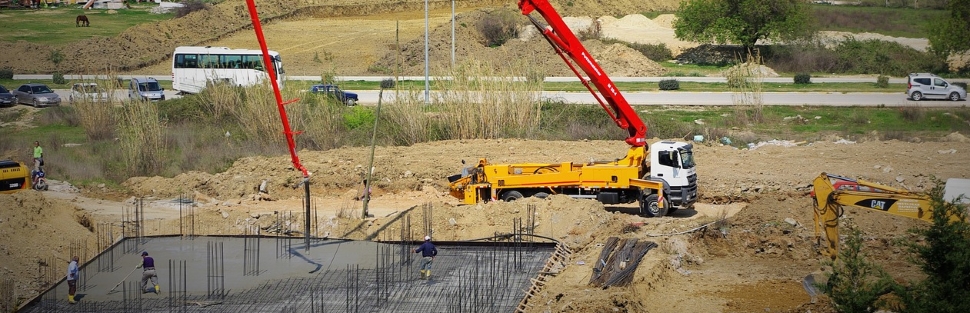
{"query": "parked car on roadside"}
[(36, 95), (145, 88), (6, 98), (347, 98), (929, 86), (88, 92)]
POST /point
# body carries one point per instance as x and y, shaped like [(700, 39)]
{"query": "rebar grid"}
[(355, 277)]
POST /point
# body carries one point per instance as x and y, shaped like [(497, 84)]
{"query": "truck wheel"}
[(649, 207), (511, 195)]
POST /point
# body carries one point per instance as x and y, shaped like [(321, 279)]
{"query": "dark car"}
[(36, 95), (347, 98), (6, 98)]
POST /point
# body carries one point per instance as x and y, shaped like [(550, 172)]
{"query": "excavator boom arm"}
[(829, 202), (566, 44)]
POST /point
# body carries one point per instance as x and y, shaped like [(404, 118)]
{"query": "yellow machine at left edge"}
[(14, 176)]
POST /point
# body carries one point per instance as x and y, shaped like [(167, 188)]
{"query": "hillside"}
[(151, 44)]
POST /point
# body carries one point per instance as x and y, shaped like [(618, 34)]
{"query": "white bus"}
[(195, 67)]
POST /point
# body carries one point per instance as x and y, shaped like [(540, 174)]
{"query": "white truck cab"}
[(672, 162)]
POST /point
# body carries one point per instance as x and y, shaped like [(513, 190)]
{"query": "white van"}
[(929, 86), (145, 89)]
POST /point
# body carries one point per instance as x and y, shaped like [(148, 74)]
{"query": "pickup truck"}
[(347, 98)]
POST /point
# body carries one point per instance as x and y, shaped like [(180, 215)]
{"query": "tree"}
[(855, 283), (742, 22), (952, 33), (944, 256)]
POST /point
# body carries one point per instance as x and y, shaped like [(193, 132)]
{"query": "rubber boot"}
[(158, 290), (428, 272), (70, 299)]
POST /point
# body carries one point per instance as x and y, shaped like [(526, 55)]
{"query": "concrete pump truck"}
[(662, 178)]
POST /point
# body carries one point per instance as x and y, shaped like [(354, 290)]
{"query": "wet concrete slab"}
[(234, 274)]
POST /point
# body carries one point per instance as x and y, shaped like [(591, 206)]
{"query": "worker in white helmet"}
[(428, 252)]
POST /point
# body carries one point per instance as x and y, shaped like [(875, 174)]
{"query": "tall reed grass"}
[(482, 102), (97, 116), (746, 82), (140, 134)]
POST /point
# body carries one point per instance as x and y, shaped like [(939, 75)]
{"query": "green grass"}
[(654, 14), (898, 22), (56, 27), (850, 122)]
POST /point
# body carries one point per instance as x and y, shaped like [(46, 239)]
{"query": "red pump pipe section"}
[(565, 43), (268, 61)]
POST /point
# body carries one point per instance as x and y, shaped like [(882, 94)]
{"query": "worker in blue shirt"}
[(148, 271), (428, 252), (72, 280)]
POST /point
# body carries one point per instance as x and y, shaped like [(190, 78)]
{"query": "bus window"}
[(209, 61), (231, 61), (186, 61)]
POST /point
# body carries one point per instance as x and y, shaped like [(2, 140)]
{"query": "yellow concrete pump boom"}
[(832, 192)]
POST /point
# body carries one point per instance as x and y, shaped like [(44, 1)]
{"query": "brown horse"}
[(82, 20)]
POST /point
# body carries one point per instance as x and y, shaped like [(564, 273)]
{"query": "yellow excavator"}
[(832, 192)]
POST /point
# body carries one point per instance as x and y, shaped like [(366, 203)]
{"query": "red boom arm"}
[(271, 69), (565, 43)]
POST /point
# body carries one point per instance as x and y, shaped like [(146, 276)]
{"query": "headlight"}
[(41, 98)]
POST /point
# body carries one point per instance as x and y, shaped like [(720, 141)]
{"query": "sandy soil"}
[(754, 262)]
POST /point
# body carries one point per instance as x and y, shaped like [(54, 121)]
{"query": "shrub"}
[(882, 81), (655, 52), (855, 283), (592, 32), (6, 73), (669, 84), (885, 57), (357, 117), (498, 27), (942, 256), (59, 78), (189, 7), (803, 79)]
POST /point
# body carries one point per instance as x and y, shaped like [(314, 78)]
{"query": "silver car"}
[(928, 86), (36, 95)]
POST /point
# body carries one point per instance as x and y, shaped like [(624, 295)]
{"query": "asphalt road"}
[(369, 97), (894, 99), (727, 98)]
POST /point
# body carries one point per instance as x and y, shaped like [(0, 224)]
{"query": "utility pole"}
[(427, 85), (385, 84), (452, 34)]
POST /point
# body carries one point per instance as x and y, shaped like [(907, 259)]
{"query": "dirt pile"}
[(529, 50), (37, 237), (724, 171)]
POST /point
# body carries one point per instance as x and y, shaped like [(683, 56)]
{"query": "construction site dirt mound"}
[(765, 245), (37, 238)]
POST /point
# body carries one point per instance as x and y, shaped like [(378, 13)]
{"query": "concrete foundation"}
[(249, 274)]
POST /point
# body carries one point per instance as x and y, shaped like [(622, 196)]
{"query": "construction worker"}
[(148, 272), (71, 280), (428, 252)]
